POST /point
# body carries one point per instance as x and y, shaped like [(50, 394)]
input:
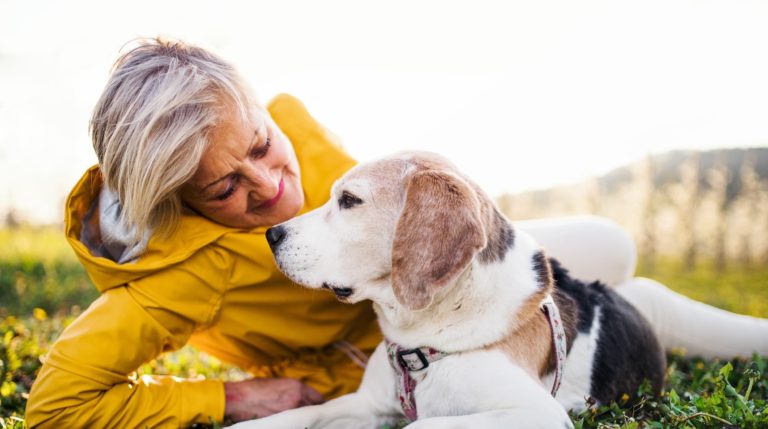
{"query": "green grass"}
[(738, 288), (697, 394), (24, 340), (38, 269), (43, 288)]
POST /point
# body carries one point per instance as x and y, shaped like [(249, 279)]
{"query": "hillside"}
[(667, 165), (687, 204)]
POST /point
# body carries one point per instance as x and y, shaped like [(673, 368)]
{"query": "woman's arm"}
[(85, 379), (85, 382), (590, 247)]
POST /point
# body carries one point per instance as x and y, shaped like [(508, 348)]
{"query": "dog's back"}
[(624, 352)]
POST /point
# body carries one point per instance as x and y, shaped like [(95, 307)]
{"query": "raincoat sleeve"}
[(86, 379)]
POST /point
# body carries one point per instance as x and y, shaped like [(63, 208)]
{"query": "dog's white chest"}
[(473, 382)]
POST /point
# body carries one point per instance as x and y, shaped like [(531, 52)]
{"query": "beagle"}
[(480, 327)]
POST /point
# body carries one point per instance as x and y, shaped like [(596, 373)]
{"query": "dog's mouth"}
[(341, 292)]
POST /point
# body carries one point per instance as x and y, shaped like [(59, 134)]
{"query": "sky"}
[(519, 94)]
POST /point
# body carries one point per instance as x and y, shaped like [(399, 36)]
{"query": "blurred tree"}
[(748, 201), (684, 196), (591, 196), (763, 191), (644, 176), (718, 177), (12, 219)]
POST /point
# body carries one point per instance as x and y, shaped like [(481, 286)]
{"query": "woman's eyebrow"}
[(250, 148)]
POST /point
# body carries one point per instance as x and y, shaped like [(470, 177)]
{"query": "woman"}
[(169, 226)]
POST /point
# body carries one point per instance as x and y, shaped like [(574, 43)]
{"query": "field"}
[(43, 287)]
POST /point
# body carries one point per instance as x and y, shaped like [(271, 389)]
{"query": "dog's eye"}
[(348, 200)]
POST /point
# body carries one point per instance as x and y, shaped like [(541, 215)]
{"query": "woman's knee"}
[(590, 247)]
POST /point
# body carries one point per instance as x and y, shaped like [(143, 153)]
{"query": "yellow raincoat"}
[(208, 285)]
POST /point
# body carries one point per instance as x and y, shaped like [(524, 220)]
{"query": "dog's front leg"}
[(510, 418), (346, 412), (373, 405)]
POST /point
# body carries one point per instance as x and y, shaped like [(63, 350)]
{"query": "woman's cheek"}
[(241, 203), (285, 150)]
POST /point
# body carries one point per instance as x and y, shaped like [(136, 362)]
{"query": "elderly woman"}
[(170, 227)]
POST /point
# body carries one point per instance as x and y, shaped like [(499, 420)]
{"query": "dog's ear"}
[(437, 235)]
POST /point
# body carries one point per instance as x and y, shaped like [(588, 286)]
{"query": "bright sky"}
[(520, 94)]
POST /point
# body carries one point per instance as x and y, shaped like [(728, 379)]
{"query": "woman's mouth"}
[(269, 203)]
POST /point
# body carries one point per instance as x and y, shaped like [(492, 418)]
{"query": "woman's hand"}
[(261, 397)]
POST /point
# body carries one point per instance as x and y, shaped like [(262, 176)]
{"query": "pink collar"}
[(405, 361), (559, 340)]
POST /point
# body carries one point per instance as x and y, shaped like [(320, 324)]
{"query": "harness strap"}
[(559, 341), (354, 354)]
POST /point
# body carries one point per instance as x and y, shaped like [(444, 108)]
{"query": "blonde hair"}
[(150, 126)]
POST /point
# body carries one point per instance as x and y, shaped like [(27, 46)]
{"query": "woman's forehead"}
[(230, 143), (235, 123)]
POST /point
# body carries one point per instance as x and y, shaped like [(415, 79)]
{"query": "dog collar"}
[(404, 361), (559, 341)]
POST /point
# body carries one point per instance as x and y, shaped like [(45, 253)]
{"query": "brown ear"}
[(438, 233)]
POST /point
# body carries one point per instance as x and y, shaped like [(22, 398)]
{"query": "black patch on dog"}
[(627, 352), (580, 293), (543, 270), (627, 349), (501, 237)]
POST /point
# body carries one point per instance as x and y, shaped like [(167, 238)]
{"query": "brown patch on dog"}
[(529, 342), (437, 235)]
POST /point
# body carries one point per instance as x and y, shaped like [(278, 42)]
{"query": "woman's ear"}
[(437, 235)]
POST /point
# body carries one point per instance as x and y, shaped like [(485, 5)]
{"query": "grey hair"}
[(150, 127)]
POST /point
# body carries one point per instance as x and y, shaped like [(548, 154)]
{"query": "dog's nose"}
[(275, 235)]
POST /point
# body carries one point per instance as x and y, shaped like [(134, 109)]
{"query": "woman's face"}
[(249, 175)]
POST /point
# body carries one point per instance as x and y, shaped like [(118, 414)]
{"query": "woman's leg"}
[(680, 322), (590, 247)]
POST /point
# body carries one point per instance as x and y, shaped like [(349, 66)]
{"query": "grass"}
[(39, 270), (43, 288), (697, 394), (738, 288)]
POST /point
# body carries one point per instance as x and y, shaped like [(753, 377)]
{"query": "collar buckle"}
[(412, 359)]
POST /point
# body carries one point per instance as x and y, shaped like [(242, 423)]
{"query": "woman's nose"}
[(264, 183)]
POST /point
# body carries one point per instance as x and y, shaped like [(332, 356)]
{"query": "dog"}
[(480, 327)]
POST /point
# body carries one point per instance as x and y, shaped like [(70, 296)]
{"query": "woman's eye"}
[(228, 192), (262, 150), (348, 200)]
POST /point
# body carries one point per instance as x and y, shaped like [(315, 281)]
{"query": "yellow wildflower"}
[(39, 314)]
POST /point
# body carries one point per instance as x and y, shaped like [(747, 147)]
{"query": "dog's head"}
[(403, 227)]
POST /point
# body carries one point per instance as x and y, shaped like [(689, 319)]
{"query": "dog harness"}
[(406, 361), (559, 340)]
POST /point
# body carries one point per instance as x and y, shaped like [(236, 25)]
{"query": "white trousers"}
[(595, 248)]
